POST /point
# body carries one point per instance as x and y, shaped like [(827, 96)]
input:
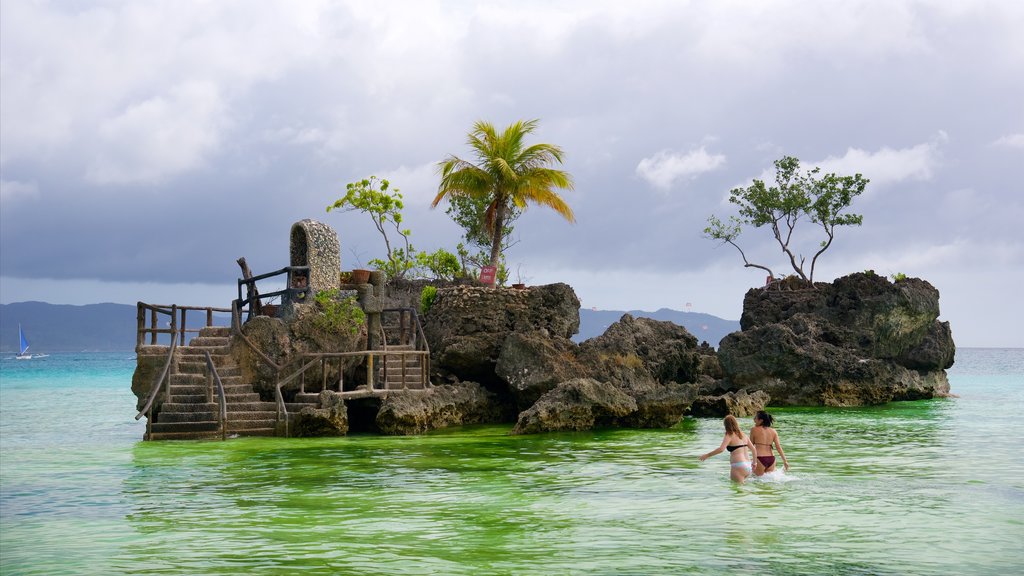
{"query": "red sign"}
[(487, 275)]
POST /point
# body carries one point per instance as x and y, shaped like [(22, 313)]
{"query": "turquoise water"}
[(930, 487)]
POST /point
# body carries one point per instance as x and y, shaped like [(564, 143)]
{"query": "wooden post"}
[(251, 294), (209, 316), (153, 325), (140, 332), (182, 341)]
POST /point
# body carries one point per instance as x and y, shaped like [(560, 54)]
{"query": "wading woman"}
[(764, 437), (737, 444)]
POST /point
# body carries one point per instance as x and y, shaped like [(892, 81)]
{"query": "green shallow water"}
[(930, 487)]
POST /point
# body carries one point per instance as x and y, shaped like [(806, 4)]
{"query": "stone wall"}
[(316, 245)]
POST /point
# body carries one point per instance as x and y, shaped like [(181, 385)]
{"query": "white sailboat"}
[(24, 355)]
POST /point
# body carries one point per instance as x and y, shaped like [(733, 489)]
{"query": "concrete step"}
[(200, 426), (193, 379), (271, 431), (215, 331), (204, 416), (189, 407), (399, 347), (238, 425), (207, 435), (220, 356), (240, 397), (252, 407), (296, 407), (210, 342), (224, 371), (188, 398), (252, 415), (188, 388)]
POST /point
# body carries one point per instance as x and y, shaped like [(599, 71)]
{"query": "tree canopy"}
[(507, 176), (822, 200)]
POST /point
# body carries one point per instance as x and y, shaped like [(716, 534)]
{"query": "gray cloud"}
[(157, 143)]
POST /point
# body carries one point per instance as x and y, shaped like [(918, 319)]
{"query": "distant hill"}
[(704, 326), (66, 328), (111, 327)]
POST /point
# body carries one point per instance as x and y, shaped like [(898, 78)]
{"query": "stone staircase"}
[(392, 374), (188, 416)]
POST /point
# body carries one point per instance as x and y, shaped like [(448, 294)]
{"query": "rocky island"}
[(480, 354)]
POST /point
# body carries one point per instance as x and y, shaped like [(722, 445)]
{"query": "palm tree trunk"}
[(499, 225)]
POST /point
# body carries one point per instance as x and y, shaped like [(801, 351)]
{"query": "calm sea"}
[(930, 487)]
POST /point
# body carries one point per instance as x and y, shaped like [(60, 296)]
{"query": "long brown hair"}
[(732, 426)]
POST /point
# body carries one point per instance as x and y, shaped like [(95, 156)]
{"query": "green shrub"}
[(427, 297), (899, 277), (338, 314)]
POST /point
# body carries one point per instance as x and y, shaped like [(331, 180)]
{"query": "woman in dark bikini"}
[(736, 443), (764, 437)]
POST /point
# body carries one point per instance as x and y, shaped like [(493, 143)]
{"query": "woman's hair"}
[(732, 426), (765, 418)]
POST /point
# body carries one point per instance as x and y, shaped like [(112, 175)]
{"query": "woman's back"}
[(762, 437)]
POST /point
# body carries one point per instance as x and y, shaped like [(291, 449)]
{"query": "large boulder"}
[(665, 351), (739, 404), (533, 363), (330, 419), (659, 405), (416, 412), (860, 340), (578, 404), (466, 326)]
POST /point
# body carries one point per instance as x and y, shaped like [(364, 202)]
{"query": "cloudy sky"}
[(144, 146)]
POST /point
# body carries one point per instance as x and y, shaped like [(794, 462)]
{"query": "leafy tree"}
[(440, 264), (384, 205), (821, 199), (507, 176), (470, 212)]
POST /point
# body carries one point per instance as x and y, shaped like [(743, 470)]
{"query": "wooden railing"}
[(148, 318), (163, 381), (176, 325), (296, 289), (311, 359), (410, 333)]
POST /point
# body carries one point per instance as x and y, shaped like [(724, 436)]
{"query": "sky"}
[(145, 146)]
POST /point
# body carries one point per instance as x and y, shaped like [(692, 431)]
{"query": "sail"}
[(24, 342)]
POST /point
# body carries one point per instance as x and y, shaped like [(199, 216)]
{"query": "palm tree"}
[(507, 173)]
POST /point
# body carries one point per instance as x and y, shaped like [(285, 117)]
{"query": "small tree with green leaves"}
[(384, 205), (820, 199)]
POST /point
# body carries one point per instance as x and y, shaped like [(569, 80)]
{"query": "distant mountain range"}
[(705, 327), (111, 327), (66, 328)]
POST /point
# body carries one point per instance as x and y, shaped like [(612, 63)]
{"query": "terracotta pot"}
[(519, 286), (269, 310), (360, 276)]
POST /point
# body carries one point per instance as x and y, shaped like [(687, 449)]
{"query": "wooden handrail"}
[(418, 340), (220, 393), (293, 293), (155, 310), (154, 391), (236, 329), (320, 357)]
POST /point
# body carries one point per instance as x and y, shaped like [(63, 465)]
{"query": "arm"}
[(718, 450), (753, 449), (778, 446)]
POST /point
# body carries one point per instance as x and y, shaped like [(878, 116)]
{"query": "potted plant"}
[(360, 276)]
